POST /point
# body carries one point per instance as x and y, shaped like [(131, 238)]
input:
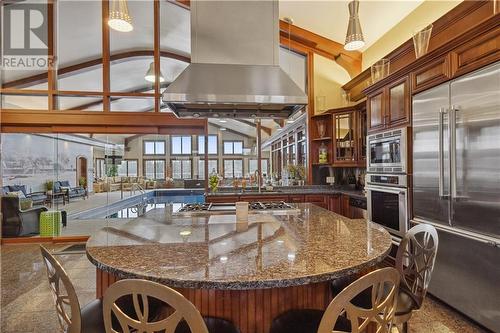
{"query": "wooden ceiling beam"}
[(249, 123), (349, 60), (91, 64)]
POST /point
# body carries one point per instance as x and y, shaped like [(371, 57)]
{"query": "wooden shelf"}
[(321, 164), (326, 138)]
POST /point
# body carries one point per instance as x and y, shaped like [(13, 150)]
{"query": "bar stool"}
[(179, 315), (415, 262), (71, 318), (342, 315)]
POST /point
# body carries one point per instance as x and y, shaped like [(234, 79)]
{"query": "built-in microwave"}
[(387, 151)]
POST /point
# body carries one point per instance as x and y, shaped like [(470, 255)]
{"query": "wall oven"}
[(387, 200), (387, 151)]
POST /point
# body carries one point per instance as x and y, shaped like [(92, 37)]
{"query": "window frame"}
[(100, 173), (210, 159), (144, 161), (182, 153), (233, 159), (262, 159), (233, 153), (172, 160), (131, 160), (155, 141), (216, 145)]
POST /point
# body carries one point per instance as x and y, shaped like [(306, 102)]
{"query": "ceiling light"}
[(290, 121), (150, 74), (354, 39), (222, 121), (119, 19), (222, 129)]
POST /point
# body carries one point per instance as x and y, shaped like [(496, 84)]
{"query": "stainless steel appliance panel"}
[(430, 155), (475, 158), (387, 206), (466, 276), (387, 151)]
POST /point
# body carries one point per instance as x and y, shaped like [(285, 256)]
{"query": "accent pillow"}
[(64, 183), (25, 204), (18, 194)]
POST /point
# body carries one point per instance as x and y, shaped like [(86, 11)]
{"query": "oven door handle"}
[(394, 190), (402, 211)]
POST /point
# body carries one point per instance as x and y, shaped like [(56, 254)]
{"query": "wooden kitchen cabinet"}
[(398, 103), (296, 198), (389, 106), (320, 200), (335, 204), (221, 199), (344, 140), (376, 104)]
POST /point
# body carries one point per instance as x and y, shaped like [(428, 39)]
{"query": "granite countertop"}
[(306, 245), (307, 189)]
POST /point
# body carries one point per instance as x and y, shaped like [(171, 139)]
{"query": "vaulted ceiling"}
[(329, 18)]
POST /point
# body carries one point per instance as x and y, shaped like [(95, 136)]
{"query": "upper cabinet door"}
[(398, 106), (345, 139), (376, 111)]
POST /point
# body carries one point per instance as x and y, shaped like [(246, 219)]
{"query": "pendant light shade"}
[(150, 74), (354, 39), (119, 18)]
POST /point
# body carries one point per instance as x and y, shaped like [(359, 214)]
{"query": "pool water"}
[(138, 205), (158, 202)]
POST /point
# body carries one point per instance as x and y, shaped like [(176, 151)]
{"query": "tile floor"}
[(27, 306)]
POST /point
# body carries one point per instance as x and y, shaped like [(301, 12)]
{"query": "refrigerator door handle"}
[(453, 150), (442, 112)]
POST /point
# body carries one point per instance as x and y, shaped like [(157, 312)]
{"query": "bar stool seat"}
[(214, 325), (92, 320), (304, 321)]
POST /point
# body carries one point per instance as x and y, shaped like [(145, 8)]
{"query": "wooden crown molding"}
[(453, 24)]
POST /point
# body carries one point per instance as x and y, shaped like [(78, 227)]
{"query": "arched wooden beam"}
[(349, 60), (89, 65)]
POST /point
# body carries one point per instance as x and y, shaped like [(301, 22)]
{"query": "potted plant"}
[(49, 186), (213, 182), (83, 182)]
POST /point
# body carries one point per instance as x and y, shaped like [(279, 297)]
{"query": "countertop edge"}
[(238, 285)]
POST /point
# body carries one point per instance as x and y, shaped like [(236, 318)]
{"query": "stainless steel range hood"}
[(234, 71)]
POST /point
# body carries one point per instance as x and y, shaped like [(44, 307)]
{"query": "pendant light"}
[(119, 18), (150, 74), (354, 39)]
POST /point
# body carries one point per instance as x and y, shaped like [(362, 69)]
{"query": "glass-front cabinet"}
[(344, 124)]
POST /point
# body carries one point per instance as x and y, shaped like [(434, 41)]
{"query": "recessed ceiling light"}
[(223, 121), (290, 121), (222, 129), (185, 233)]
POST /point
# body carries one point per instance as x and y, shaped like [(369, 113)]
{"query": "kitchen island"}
[(247, 273)]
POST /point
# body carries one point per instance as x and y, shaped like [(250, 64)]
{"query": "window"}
[(154, 147), (233, 168), (128, 168), (181, 169), (100, 168), (212, 144), (233, 147), (252, 166), (212, 167), (154, 169), (181, 145)]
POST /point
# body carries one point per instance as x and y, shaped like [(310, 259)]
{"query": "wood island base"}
[(252, 311)]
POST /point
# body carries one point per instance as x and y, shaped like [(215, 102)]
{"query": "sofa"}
[(71, 192), (38, 198), (17, 222)]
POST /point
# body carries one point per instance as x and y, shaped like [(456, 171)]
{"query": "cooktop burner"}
[(200, 207)]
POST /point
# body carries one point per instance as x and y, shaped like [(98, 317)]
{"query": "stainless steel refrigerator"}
[(456, 187)]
